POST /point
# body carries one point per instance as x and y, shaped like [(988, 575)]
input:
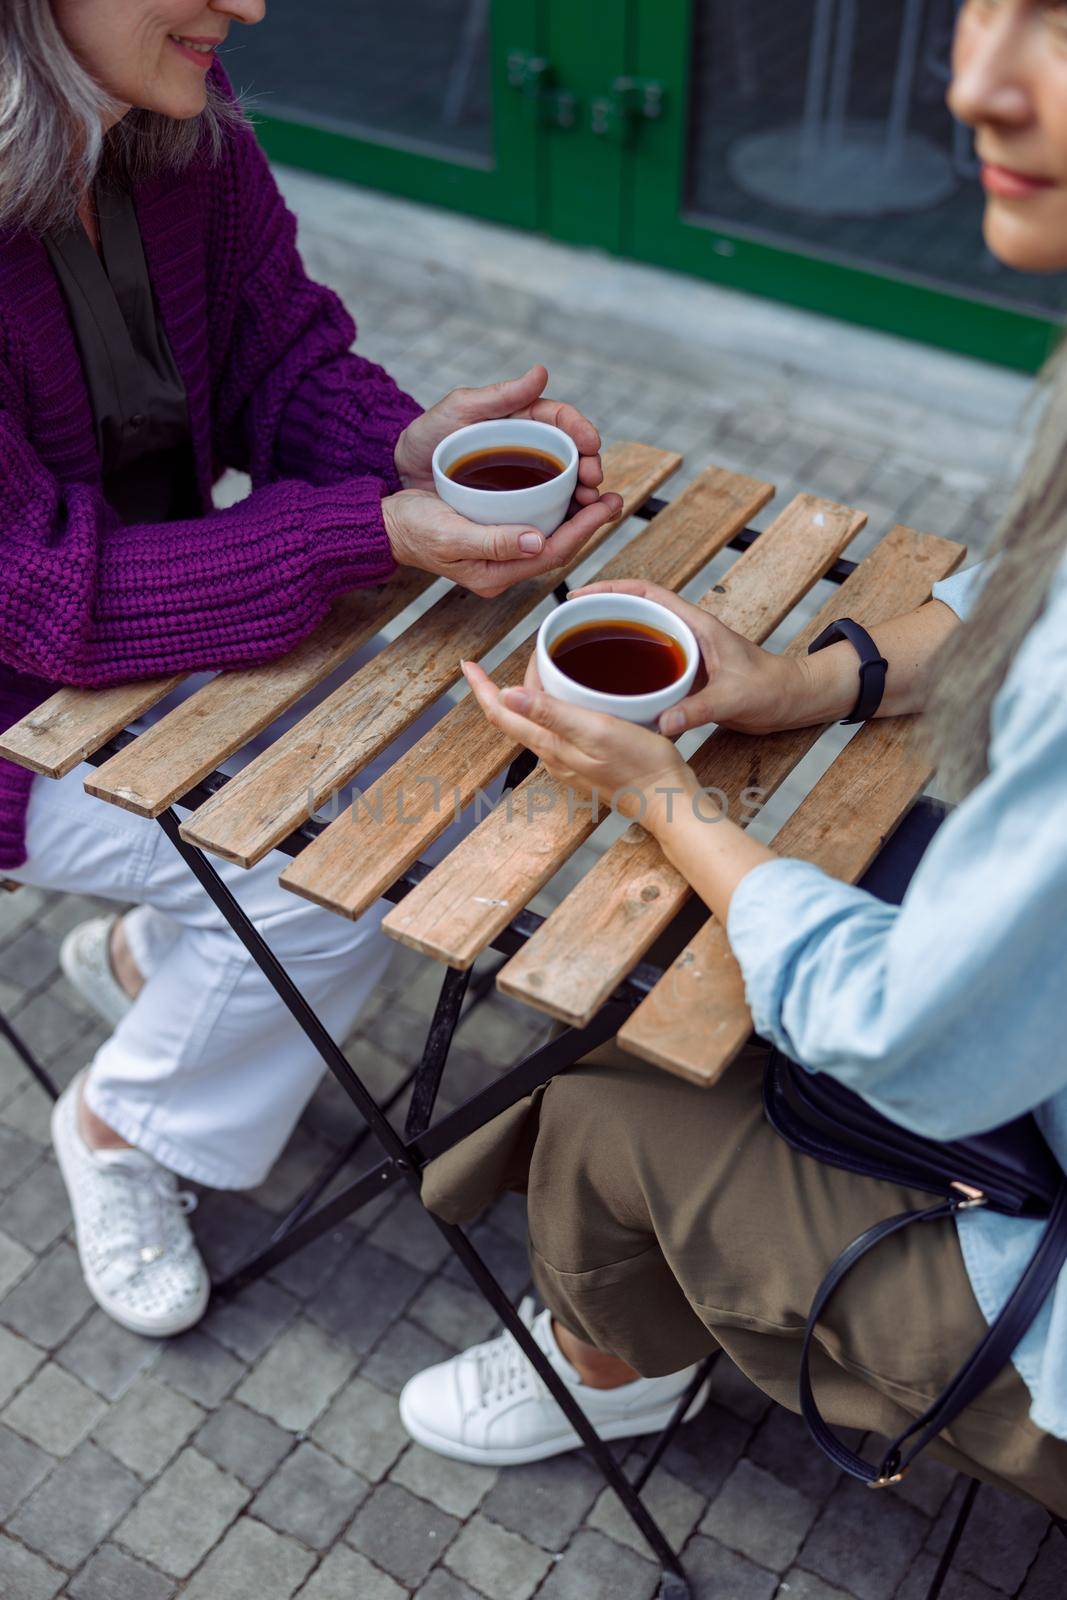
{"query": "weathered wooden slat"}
[(362, 853), (68, 726), (458, 908), (696, 1019), (610, 919), (220, 718), (276, 792)]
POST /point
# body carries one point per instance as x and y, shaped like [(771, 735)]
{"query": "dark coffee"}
[(619, 657), (505, 467)]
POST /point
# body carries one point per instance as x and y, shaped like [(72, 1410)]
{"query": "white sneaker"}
[(85, 956), (137, 1250), (489, 1406)]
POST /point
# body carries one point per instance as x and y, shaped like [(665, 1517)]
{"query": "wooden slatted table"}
[(693, 1020), (584, 964)]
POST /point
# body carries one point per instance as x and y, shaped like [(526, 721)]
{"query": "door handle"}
[(629, 102), (534, 77)]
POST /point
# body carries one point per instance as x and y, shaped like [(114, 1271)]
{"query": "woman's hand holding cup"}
[(425, 533), (740, 686)]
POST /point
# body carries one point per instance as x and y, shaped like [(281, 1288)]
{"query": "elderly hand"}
[(629, 767), (518, 397), (425, 533), (739, 686)]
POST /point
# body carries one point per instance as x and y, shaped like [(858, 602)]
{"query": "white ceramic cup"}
[(544, 506), (643, 708)]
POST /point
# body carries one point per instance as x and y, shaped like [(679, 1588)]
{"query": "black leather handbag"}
[(1009, 1169)]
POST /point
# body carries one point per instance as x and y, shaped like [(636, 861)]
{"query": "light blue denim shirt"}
[(949, 1013)]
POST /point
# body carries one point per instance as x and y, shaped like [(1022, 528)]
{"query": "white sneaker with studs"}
[(85, 956), (489, 1406), (138, 1254)]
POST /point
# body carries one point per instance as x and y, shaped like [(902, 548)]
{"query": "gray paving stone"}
[(455, 1486), (15, 1262), (400, 1533), (407, 1232), (74, 1509), (304, 1274), (298, 1376), (113, 1575), (859, 1550), (346, 1575), (780, 1442), (403, 1350), (499, 1564), (310, 1496), (705, 1451), (456, 1316), (359, 1302), (959, 1585), (37, 1209), (31, 958), (19, 1360), (51, 1029), (1047, 1578), (799, 1585), (675, 1506), (594, 1565), (107, 1357), (362, 1428), (199, 1368), (183, 1514), (244, 1443), (249, 1322), (22, 1467), (25, 1117), (54, 1410), (148, 1426), (1001, 1539), (444, 1585), (714, 1570), (50, 1301), (251, 1563), (731, 1389), (546, 1501), (759, 1516), (25, 1576)]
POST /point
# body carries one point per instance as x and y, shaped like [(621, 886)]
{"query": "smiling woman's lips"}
[(1009, 185)]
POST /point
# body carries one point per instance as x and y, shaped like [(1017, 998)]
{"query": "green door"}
[(433, 99)]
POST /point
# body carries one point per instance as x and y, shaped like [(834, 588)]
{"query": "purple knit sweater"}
[(273, 389)]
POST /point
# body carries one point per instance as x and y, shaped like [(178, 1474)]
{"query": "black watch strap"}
[(873, 667)]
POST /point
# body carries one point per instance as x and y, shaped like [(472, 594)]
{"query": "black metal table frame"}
[(406, 1155)]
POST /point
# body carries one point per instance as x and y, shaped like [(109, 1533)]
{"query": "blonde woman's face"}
[(1010, 84), (128, 46)]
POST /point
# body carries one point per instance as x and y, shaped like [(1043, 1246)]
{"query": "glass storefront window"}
[(410, 73), (822, 125)]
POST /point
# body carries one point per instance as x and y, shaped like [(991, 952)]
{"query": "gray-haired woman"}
[(667, 1220), (156, 327)]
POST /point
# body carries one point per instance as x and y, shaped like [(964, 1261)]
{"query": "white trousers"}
[(208, 1071)]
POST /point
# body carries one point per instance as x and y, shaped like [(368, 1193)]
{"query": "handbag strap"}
[(989, 1356)]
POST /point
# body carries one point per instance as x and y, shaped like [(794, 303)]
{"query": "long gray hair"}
[(52, 143), (1029, 548)]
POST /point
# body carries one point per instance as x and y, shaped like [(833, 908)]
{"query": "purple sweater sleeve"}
[(87, 600), (292, 399)]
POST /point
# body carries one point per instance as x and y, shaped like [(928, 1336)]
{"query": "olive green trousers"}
[(667, 1220)]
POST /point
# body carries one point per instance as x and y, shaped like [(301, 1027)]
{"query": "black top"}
[(136, 393)]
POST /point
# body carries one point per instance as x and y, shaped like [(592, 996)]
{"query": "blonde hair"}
[(1027, 552), (52, 112)]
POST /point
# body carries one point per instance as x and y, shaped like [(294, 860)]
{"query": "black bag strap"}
[(989, 1356)]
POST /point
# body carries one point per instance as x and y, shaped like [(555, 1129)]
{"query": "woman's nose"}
[(246, 11), (990, 77)]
